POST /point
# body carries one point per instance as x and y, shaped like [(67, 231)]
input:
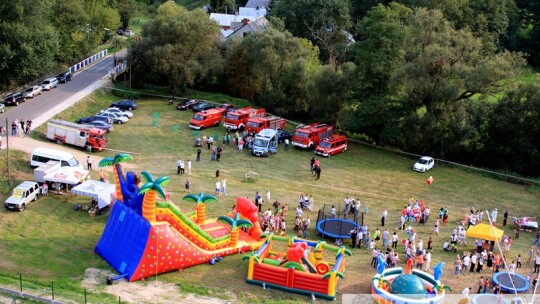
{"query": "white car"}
[(32, 92), (118, 111), (119, 119), (49, 83), (424, 164), (22, 195)]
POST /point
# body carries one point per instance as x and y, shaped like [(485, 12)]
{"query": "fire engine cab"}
[(332, 145), (308, 137), (236, 120), (257, 124)]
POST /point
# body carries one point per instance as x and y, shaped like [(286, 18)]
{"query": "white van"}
[(22, 195), (41, 156)]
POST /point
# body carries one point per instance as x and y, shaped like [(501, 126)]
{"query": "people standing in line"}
[(198, 154), (383, 218), (218, 188), (178, 165), (189, 167), (89, 162), (218, 153), (224, 187), (28, 126)]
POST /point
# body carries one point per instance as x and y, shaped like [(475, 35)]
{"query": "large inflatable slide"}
[(146, 234)]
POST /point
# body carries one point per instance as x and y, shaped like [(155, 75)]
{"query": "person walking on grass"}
[(89, 162), (198, 154), (224, 187), (383, 218), (188, 185), (189, 167), (178, 165)]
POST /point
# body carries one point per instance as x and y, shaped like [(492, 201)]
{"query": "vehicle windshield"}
[(259, 142), (325, 144), (73, 162), (198, 117), (253, 124), (232, 116), (422, 161), (17, 193), (301, 134)]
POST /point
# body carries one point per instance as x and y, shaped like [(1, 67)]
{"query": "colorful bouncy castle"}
[(146, 234), (301, 269)]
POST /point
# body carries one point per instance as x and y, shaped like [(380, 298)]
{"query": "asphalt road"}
[(41, 108)]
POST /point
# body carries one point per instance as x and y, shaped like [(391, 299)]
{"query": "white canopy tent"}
[(104, 193)]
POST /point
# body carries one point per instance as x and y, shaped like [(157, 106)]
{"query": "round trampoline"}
[(488, 298), (338, 228), (520, 283)]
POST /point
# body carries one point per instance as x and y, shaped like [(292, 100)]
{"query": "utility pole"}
[(7, 154)]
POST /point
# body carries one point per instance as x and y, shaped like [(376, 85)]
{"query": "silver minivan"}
[(49, 83)]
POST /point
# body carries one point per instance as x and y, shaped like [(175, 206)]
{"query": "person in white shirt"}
[(465, 292), (178, 165), (466, 262), (218, 188), (427, 260), (268, 197), (383, 218), (189, 167)]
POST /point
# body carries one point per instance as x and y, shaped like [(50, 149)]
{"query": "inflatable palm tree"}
[(201, 201), (115, 163), (236, 223), (151, 189)]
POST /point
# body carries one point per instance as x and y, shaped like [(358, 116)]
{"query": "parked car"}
[(202, 106), (49, 83), (116, 118), (282, 135), (107, 127), (14, 99), (125, 104), (64, 77), (424, 164), (228, 107), (31, 92), (186, 104), (22, 195), (118, 111), (2, 108), (86, 120)]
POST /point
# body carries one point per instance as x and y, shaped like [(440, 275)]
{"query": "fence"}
[(327, 213), (87, 61), (18, 287)]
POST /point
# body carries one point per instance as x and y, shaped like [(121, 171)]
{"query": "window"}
[(301, 134), (325, 144), (232, 116), (198, 117), (72, 162)]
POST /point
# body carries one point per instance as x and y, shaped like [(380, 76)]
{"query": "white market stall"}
[(66, 177), (103, 192)]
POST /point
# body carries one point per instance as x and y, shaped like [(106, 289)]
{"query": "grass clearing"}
[(50, 241)]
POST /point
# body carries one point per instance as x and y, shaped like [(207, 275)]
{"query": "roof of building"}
[(258, 3), (251, 11)]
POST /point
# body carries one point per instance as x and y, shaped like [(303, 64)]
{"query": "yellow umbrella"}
[(484, 232)]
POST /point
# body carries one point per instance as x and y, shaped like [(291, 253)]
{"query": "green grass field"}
[(51, 242)]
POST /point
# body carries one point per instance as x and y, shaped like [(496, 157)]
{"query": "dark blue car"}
[(125, 104)]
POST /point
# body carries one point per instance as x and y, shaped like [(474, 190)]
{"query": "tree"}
[(280, 65), (329, 90), (178, 47), (28, 41), (126, 9), (236, 223), (151, 189), (324, 23), (512, 142), (441, 68), (201, 201)]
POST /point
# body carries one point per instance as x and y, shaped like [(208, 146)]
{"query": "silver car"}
[(31, 92)]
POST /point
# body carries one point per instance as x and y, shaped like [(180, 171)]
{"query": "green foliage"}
[(178, 48)]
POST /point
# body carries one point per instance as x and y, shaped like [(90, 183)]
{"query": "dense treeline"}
[(36, 36), (438, 77)]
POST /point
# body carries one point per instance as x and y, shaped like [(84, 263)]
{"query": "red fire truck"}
[(257, 124), (236, 120), (308, 137), (332, 145), (85, 136)]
